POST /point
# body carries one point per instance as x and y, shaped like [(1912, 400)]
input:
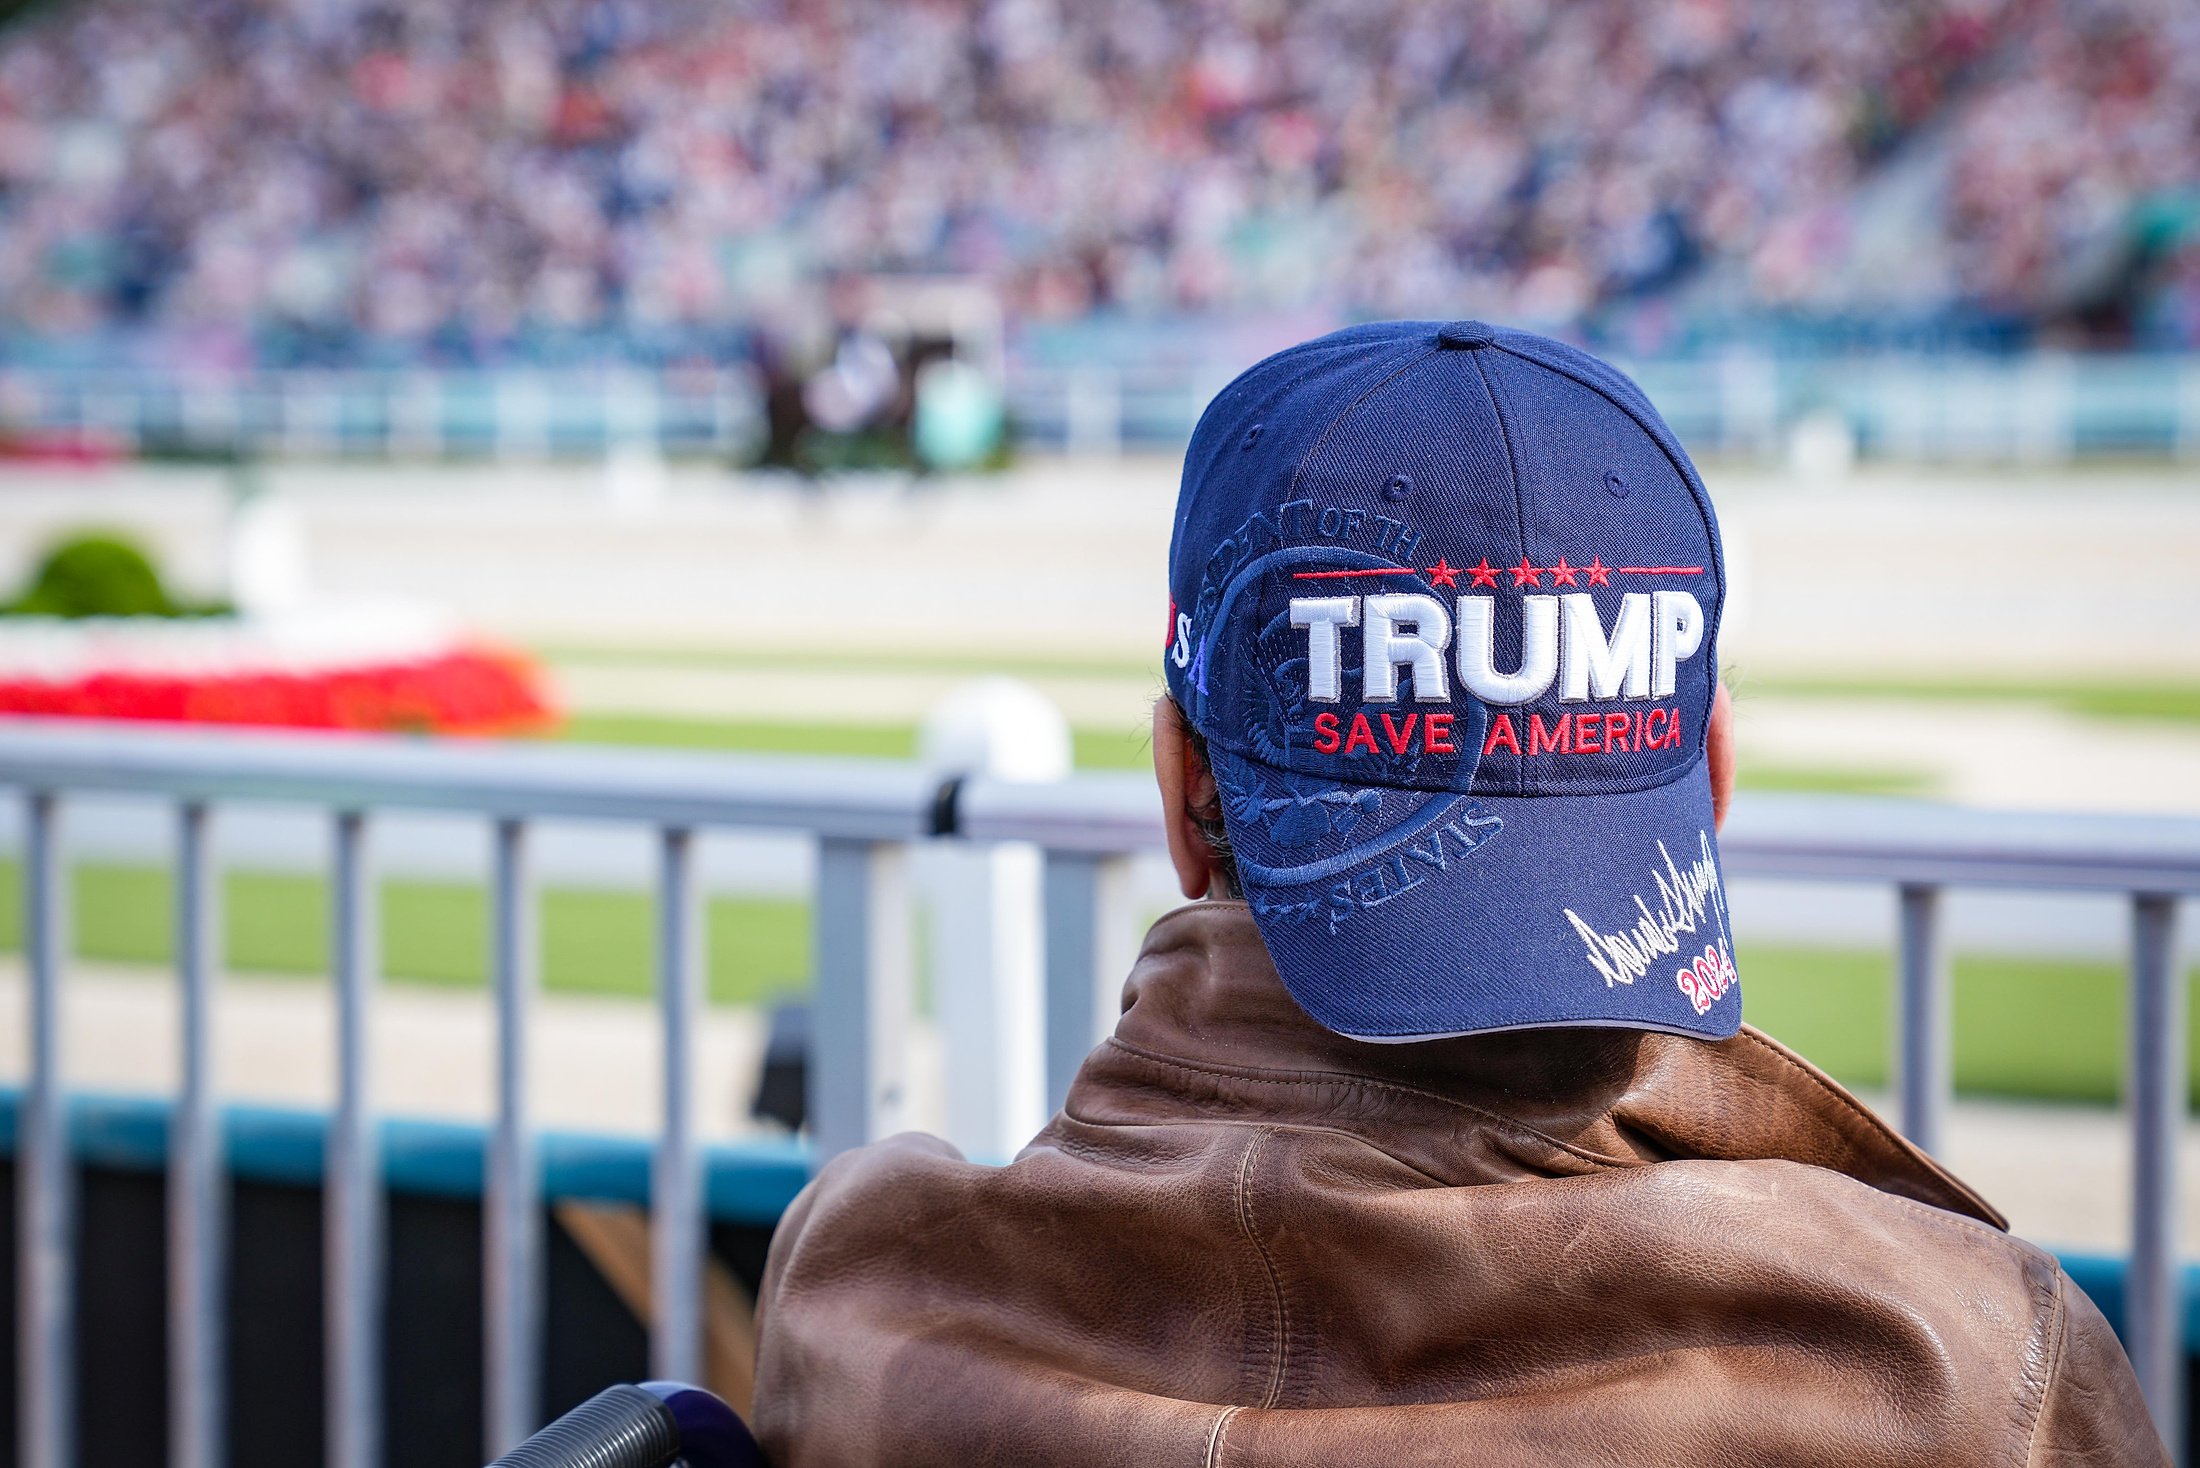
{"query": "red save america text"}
[(1587, 732)]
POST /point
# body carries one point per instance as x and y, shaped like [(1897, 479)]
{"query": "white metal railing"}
[(864, 817), (860, 813), (316, 413), (2040, 407)]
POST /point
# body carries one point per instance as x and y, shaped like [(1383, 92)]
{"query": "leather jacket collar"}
[(1210, 1031)]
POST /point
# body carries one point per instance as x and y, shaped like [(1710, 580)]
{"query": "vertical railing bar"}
[(676, 1254), (2153, 1301), (1925, 1005), (860, 1017), (512, 1222), (352, 1196), (1072, 923), (46, 1277), (197, 1223)]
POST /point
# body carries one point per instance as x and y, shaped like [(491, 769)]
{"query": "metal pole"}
[(196, 1215), (1924, 1033), (860, 1017), (46, 1322), (676, 1193), (511, 1231), (351, 1187), (1087, 926), (2153, 1313)]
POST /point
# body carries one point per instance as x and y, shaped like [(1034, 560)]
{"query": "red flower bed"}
[(465, 692)]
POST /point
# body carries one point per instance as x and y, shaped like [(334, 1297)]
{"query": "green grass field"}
[(432, 932), (2024, 1027), (1094, 749)]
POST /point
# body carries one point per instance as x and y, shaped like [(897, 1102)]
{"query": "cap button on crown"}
[(1472, 335)]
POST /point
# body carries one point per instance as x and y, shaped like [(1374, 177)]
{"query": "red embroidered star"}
[(1441, 574), (1525, 574), (1484, 574), (1563, 574), (1599, 573)]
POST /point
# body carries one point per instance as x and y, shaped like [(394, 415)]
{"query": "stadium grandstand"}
[(279, 183)]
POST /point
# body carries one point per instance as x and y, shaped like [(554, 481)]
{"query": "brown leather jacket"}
[(1247, 1240)]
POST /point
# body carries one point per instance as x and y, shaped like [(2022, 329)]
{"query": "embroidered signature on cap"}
[(1686, 896)]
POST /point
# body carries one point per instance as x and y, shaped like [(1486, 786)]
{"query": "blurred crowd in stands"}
[(397, 181)]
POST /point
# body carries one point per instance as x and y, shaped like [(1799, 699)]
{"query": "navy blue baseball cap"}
[(1444, 604)]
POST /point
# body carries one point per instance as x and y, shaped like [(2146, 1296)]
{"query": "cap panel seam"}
[(1512, 456), (1519, 781), (1194, 478), (1329, 429), (1670, 448)]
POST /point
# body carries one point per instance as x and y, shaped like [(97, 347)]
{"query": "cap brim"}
[(1405, 915)]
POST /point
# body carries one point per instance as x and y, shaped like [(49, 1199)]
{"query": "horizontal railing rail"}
[(864, 817), (872, 800), (1861, 838)]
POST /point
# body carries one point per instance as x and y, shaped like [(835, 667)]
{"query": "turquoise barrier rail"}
[(749, 1182)]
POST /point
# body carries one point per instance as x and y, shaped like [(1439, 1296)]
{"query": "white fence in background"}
[(864, 818), (2038, 408), (508, 415), (2042, 408)]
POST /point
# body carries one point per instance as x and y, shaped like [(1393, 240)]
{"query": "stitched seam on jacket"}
[(2058, 1325), (1216, 1434), (1246, 1226), (1345, 1078), (1091, 1153), (1860, 1112)]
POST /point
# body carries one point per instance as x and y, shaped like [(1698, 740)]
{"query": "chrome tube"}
[(511, 1219), (352, 1201), (46, 1263), (676, 1190), (2153, 1303), (1924, 1004), (197, 1217)]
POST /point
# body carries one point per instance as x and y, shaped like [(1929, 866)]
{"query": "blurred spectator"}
[(465, 180)]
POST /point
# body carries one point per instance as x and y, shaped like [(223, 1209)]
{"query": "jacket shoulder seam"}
[(1851, 1107), (1217, 1433), (1244, 1209), (1369, 1083), (1096, 1154), (2058, 1323)]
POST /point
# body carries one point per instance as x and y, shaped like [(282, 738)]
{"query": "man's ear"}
[(1186, 784), (1719, 752)]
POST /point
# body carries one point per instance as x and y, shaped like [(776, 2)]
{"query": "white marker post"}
[(987, 940)]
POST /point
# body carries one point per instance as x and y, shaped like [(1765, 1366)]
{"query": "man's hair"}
[(1208, 816)]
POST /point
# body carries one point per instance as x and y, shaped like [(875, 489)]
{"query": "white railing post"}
[(2153, 1290), (1924, 1034), (511, 1219), (45, 1180), (352, 1175), (1092, 411), (197, 1217), (985, 904), (676, 1191), (1089, 952), (2185, 431), (1749, 402), (859, 1027)]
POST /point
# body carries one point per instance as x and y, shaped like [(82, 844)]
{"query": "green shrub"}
[(99, 575)]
